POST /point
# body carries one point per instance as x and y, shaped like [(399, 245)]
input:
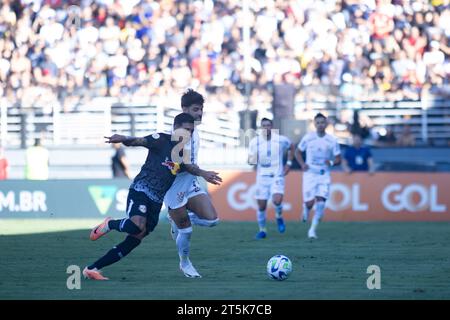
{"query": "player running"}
[(164, 160), (322, 152), (186, 200), (266, 152)]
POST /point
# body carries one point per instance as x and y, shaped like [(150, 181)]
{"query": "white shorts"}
[(315, 185), (267, 186), (183, 188)]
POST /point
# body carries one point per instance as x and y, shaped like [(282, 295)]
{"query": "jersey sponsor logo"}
[(174, 167), (103, 197)]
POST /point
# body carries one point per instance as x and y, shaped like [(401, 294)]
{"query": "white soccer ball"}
[(279, 267)]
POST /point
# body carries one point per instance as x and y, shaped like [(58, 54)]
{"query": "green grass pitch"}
[(414, 258)]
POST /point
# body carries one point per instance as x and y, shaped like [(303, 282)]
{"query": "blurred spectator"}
[(283, 101), (386, 138), (358, 157), (120, 166), (356, 128), (406, 138), (36, 162), (4, 166), (202, 67), (55, 52), (381, 22)]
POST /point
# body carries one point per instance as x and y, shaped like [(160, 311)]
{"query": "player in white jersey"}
[(322, 152), (266, 152), (187, 194)]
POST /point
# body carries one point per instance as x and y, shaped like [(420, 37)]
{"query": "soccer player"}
[(187, 194), (164, 160), (322, 153), (266, 152)]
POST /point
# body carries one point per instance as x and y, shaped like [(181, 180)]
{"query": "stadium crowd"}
[(67, 52)]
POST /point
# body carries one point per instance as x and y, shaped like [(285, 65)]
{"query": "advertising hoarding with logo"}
[(354, 197), (63, 198)]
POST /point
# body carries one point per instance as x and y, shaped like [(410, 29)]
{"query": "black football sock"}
[(124, 225), (116, 253)]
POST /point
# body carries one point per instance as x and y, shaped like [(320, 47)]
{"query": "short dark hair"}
[(266, 119), (320, 115), (191, 97), (183, 118)]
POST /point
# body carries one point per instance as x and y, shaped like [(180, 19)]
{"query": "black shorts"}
[(138, 204)]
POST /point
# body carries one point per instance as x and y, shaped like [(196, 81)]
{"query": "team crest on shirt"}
[(142, 208), (180, 196), (174, 167)]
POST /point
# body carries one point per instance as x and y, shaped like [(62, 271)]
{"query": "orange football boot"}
[(93, 274), (100, 230)]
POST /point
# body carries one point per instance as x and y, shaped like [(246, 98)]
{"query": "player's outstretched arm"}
[(210, 176), (127, 140)]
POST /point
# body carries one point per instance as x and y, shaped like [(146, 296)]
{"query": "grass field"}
[(414, 259)]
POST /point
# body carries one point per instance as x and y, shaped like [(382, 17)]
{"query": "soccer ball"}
[(279, 267)]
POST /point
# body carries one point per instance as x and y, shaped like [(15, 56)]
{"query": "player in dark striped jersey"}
[(146, 194)]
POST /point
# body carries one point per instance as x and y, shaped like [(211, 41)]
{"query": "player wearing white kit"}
[(187, 194), (266, 152), (322, 152)]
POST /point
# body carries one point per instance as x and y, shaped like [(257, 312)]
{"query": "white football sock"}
[(183, 244), (261, 217), (320, 209), (278, 210)]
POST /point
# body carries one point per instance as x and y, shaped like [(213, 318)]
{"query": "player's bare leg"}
[(277, 201), (181, 219), (202, 211), (119, 251), (320, 208), (141, 223)]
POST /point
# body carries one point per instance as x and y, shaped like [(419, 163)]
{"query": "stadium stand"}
[(72, 71)]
